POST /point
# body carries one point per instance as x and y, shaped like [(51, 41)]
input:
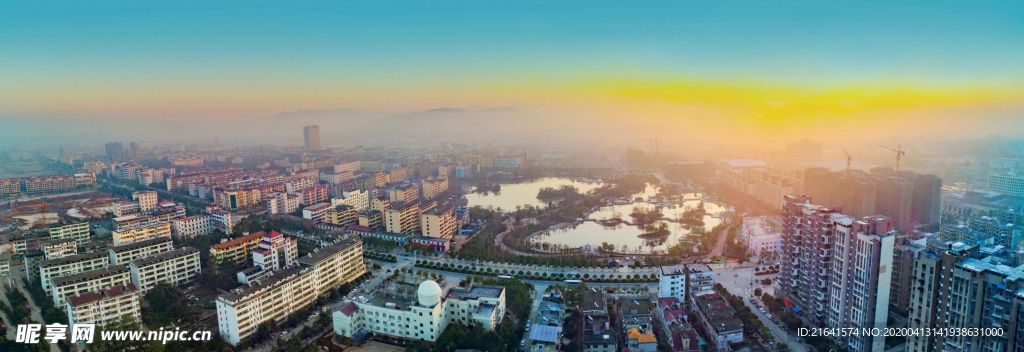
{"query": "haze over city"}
[(512, 176)]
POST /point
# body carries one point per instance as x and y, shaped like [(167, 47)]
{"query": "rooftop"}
[(73, 259), (545, 333), (161, 257), (594, 300), (239, 240), (477, 291), (141, 244), (322, 254), (90, 275), (271, 279), (109, 292)]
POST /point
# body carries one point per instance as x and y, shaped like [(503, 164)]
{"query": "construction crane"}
[(899, 154), (848, 160)]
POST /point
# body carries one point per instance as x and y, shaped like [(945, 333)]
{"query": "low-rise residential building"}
[(142, 234), (70, 265), (88, 281), (222, 220), (54, 249), (760, 236), (178, 267), (275, 251), (316, 212), (404, 194), (192, 226), (104, 306), (341, 215), (124, 254), (51, 184), (314, 194), (236, 250), (278, 294), (402, 218), (682, 281), (719, 320), (432, 187), (27, 242), (237, 198), (283, 203), (438, 223), (641, 341), (78, 231), (147, 200), (358, 200)]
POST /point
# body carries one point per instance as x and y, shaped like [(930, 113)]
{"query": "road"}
[(739, 280), (36, 312)]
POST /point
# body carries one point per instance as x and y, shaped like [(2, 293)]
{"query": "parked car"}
[(769, 315), (522, 343), (761, 309)]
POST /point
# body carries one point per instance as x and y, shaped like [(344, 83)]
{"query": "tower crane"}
[(899, 154)]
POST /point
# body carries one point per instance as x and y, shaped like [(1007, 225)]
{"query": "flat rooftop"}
[(90, 275), (161, 257), (272, 279), (322, 254), (478, 291), (73, 259), (141, 244)]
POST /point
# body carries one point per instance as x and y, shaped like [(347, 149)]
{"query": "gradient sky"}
[(764, 62)]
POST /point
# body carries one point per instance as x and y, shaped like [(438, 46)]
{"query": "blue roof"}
[(545, 333)]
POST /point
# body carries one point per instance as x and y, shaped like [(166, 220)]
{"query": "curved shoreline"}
[(612, 201)]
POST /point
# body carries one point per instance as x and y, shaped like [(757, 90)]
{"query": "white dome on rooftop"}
[(429, 293)]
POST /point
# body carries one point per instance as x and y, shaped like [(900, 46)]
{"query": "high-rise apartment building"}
[(838, 269), (133, 151), (854, 192), (312, 134), (115, 152), (894, 198)]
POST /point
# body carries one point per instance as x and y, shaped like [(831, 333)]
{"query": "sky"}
[(738, 69)]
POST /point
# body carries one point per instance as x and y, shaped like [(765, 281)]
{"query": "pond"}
[(525, 193), (625, 236)]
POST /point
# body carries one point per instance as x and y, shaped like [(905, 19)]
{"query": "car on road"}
[(769, 315), (527, 328), (761, 309), (522, 343)]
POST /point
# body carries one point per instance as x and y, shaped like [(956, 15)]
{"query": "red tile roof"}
[(239, 240), (349, 309), (90, 297)]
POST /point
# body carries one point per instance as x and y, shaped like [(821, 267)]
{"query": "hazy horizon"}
[(744, 73)]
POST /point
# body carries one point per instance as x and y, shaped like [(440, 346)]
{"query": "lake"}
[(589, 232), (525, 193)]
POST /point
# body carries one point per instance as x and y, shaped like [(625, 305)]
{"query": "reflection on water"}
[(624, 236), (525, 193)]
